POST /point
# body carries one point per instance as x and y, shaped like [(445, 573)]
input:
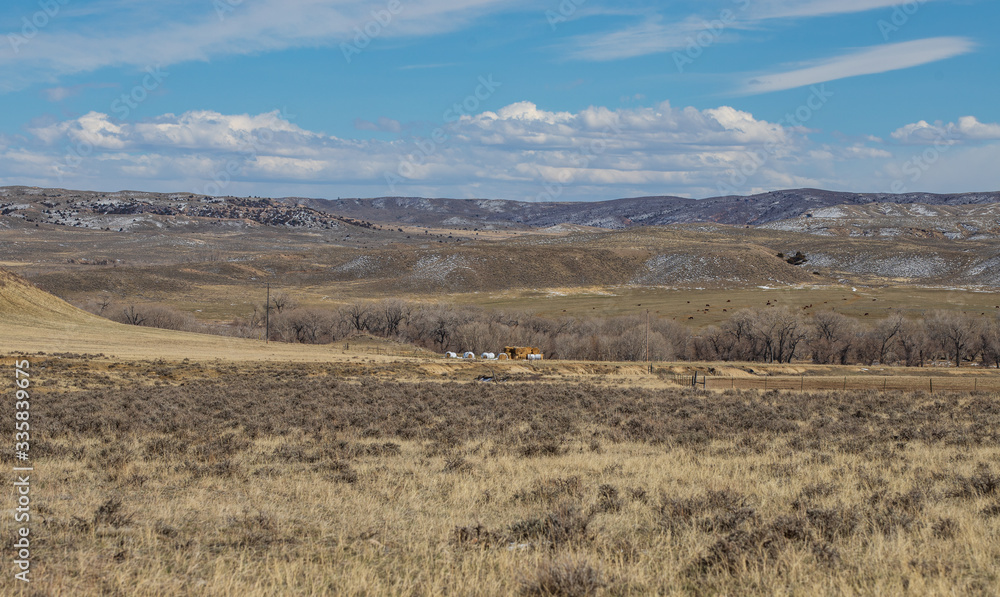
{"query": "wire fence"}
[(803, 383)]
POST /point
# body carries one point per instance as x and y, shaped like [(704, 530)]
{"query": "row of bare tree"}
[(768, 335), (779, 335), (775, 334)]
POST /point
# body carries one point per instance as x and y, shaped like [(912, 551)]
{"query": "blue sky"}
[(536, 101)]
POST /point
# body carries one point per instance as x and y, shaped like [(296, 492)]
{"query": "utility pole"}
[(267, 315), (647, 335)]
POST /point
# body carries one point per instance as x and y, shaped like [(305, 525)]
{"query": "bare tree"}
[(989, 341), (630, 344), (879, 340), (393, 313), (281, 301), (359, 316), (832, 337), (477, 337), (914, 345), (248, 327), (741, 341), (711, 345), (156, 316), (675, 340), (955, 333), (306, 325), (133, 317), (779, 332)]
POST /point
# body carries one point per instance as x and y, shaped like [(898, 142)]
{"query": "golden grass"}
[(274, 527), (187, 486)]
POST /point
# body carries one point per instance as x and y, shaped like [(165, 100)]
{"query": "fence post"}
[(765, 382), (932, 385), (802, 382), (845, 382)]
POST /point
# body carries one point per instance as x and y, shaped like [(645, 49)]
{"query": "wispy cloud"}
[(649, 37), (140, 36), (426, 66), (58, 94), (779, 9), (865, 61), (655, 35)]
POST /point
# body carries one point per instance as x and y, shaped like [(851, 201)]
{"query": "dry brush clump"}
[(269, 479), (565, 577)]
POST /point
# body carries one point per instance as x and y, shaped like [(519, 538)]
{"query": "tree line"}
[(772, 334)]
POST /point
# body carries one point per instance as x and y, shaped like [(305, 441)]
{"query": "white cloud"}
[(968, 128), (867, 61), (863, 152), (516, 150), (197, 130), (522, 111), (971, 128), (520, 151)]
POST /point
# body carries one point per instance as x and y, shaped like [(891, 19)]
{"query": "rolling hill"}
[(34, 321), (136, 210), (751, 210), (212, 257)]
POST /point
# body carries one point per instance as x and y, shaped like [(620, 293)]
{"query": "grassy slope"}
[(32, 320)]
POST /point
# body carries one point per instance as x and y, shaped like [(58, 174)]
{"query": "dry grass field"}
[(196, 478)]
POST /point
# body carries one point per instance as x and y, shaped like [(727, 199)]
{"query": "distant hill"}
[(137, 210), (753, 210), (213, 255)]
